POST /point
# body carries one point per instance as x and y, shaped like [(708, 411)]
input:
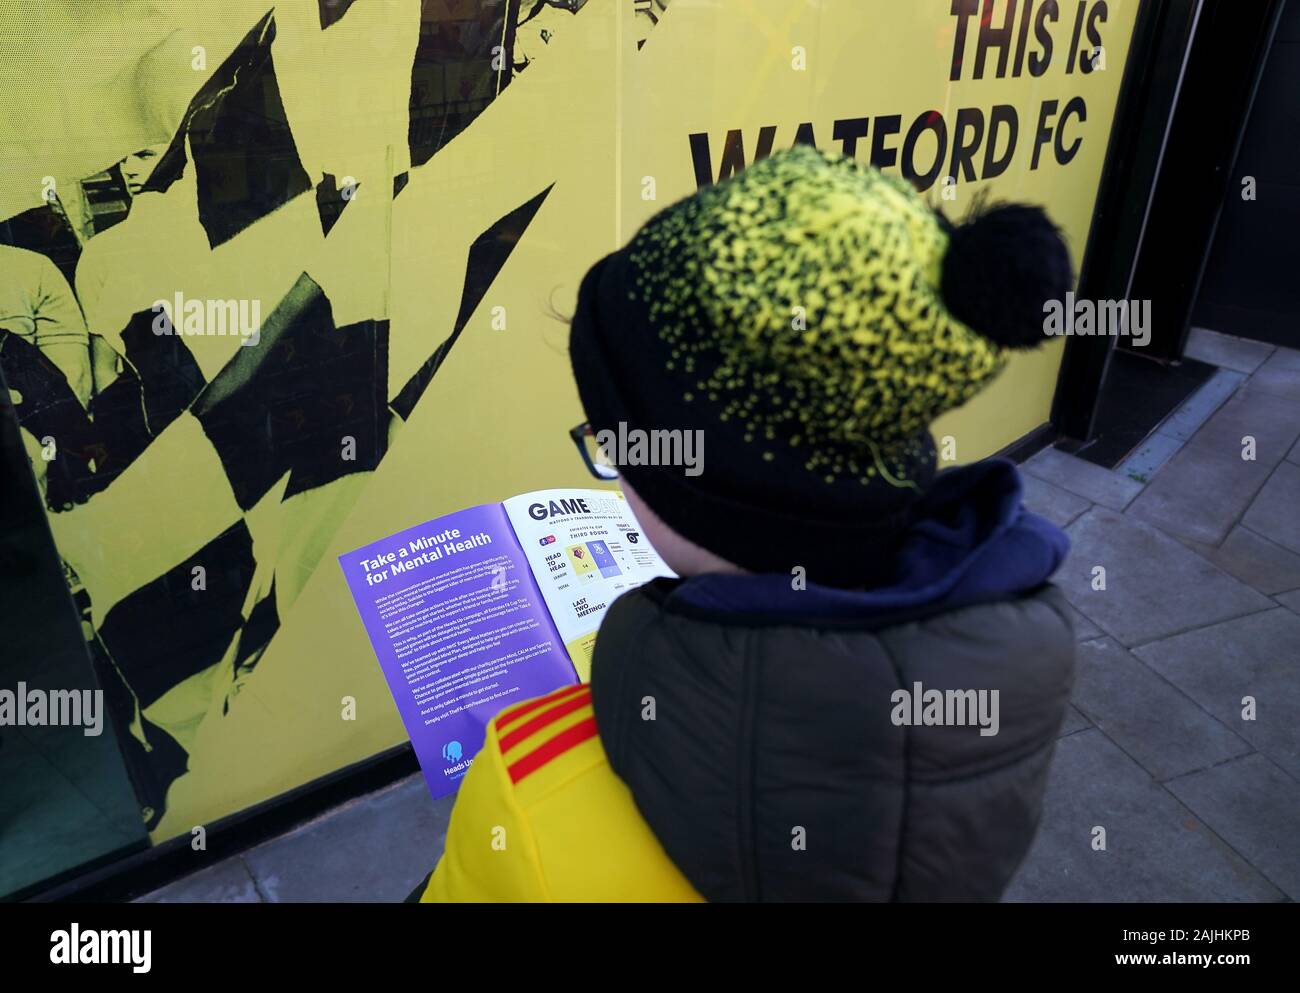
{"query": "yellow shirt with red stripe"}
[(542, 817)]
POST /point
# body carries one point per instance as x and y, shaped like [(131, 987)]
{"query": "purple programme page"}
[(460, 630)]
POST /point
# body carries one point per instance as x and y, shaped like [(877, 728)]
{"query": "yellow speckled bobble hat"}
[(810, 317)]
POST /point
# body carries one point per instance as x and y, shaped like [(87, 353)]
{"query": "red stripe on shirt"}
[(530, 727), (557, 746), (507, 717)]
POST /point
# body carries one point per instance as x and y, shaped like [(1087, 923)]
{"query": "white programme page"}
[(585, 548)]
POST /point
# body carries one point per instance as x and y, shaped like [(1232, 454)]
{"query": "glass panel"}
[(65, 800)]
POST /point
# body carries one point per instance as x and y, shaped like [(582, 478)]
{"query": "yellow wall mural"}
[(278, 281)]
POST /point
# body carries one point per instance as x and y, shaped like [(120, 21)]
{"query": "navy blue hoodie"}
[(972, 541)]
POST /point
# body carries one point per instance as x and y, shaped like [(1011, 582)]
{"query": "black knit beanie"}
[(809, 317)]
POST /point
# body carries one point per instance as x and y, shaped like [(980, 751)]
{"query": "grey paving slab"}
[(1156, 849), (1255, 807), (376, 848), (1271, 419), (1149, 456), (1092, 482), (1226, 351), (1057, 505), (1201, 495), (1160, 727), (1256, 561), (1294, 454), (1290, 600), (1203, 404), (1280, 374), (226, 882), (1155, 586), (1084, 629), (1220, 665), (1275, 513), (1204, 489), (1074, 721)]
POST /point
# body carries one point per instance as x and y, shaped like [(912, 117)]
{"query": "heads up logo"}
[(453, 753)]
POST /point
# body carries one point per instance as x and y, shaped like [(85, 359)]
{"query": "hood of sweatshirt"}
[(759, 725), (971, 541)]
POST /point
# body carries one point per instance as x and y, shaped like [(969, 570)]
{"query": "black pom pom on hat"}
[(1002, 266)]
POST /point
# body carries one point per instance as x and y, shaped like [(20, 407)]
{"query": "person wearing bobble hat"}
[(854, 687)]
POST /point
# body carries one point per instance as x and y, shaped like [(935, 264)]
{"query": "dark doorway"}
[(1198, 177), (1250, 288), (1171, 169)]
